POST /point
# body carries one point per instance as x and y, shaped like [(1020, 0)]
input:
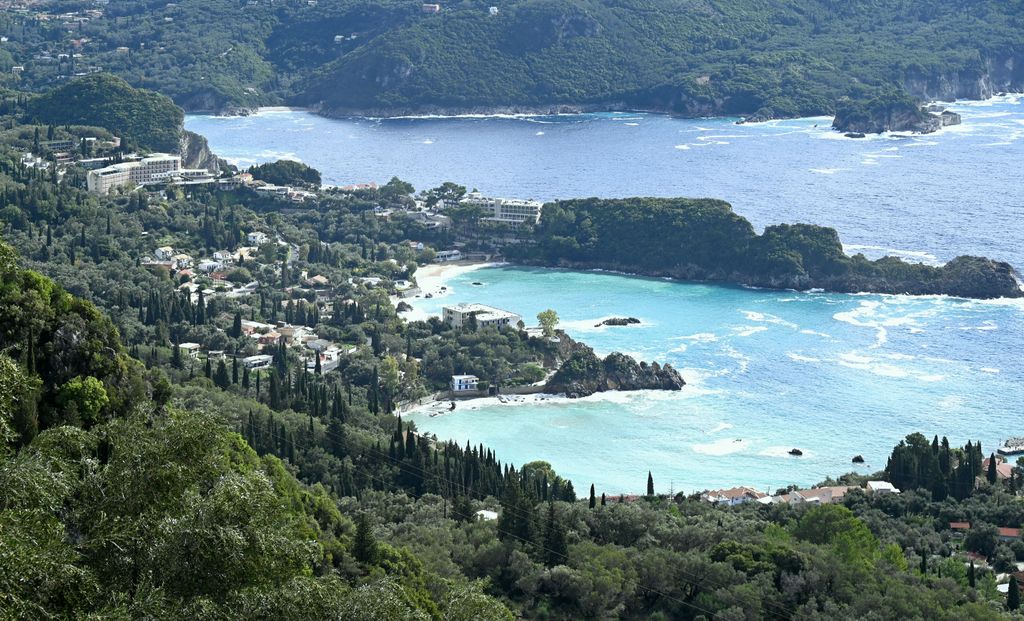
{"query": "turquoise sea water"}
[(834, 375)]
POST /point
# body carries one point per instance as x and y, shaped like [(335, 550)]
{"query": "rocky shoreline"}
[(584, 373)]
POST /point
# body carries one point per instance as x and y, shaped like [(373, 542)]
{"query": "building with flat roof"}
[(155, 168), (465, 383), (486, 316), (507, 210), (261, 361)]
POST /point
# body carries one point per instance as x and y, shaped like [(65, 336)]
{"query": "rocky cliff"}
[(993, 75), (584, 374), (196, 153)]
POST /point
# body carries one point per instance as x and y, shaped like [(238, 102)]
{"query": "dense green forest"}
[(762, 58), (703, 239), (142, 119)]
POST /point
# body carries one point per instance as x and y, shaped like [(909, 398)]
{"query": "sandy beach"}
[(433, 278)]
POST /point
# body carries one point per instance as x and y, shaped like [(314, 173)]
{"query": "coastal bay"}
[(834, 375)]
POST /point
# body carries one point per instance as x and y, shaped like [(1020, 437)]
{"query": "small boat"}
[(796, 452), (1012, 446), (478, 284)]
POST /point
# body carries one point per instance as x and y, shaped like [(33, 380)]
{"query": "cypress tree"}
[(208, 370), (603, 501), (364, 547), (593, 499), (234, 370), (1013, 595), (991, 475), (221, 378), (555, 547), (236, 326), (971, 578), (650, 484)]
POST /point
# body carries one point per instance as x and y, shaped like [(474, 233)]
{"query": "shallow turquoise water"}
[(834, 375)]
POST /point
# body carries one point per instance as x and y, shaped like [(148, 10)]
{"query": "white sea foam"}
[(683, 147), (700, 337), (989, 370), (783, 451), (816, 333), (539, 134), (749, 330), (768, 318), (801, 358), (720, 427), (919, 256), (428, 141), (825, 171), (725, 446)]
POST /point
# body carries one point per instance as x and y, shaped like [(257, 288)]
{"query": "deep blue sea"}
[(833, 375)]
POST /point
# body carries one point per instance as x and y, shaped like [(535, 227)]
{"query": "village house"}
[(164, 253), (732, 496), (261, 361), (486, 515), (465, 383), (257, 238), (190, 349), (881, 487)]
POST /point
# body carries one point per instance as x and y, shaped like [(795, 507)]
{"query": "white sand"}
[(431, 278)]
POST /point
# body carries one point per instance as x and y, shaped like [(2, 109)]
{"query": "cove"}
[(834, 375)]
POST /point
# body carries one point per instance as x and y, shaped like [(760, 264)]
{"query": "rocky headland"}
[(892, 112), (584, 373)]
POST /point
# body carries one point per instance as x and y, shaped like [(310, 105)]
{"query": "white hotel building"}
[(508, 210), (486, 316), (156, 168)]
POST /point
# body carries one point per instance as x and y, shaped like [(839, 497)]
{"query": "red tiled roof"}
[(960, 525), (1008, 532)]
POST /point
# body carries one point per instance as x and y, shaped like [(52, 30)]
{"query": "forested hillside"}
[(766, 58), (703, 239)]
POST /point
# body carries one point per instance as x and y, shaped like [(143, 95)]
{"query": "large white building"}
[(486, 316), (508, 210), (152, 169)]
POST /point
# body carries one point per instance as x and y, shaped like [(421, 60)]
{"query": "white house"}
[(164, 253), (732, 496), (209, 266), (465, 383), (485, 515), (882, 487), (223, 256), (257, 238), (261, 361), (448, 255), (190, 349), (486, 316)]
